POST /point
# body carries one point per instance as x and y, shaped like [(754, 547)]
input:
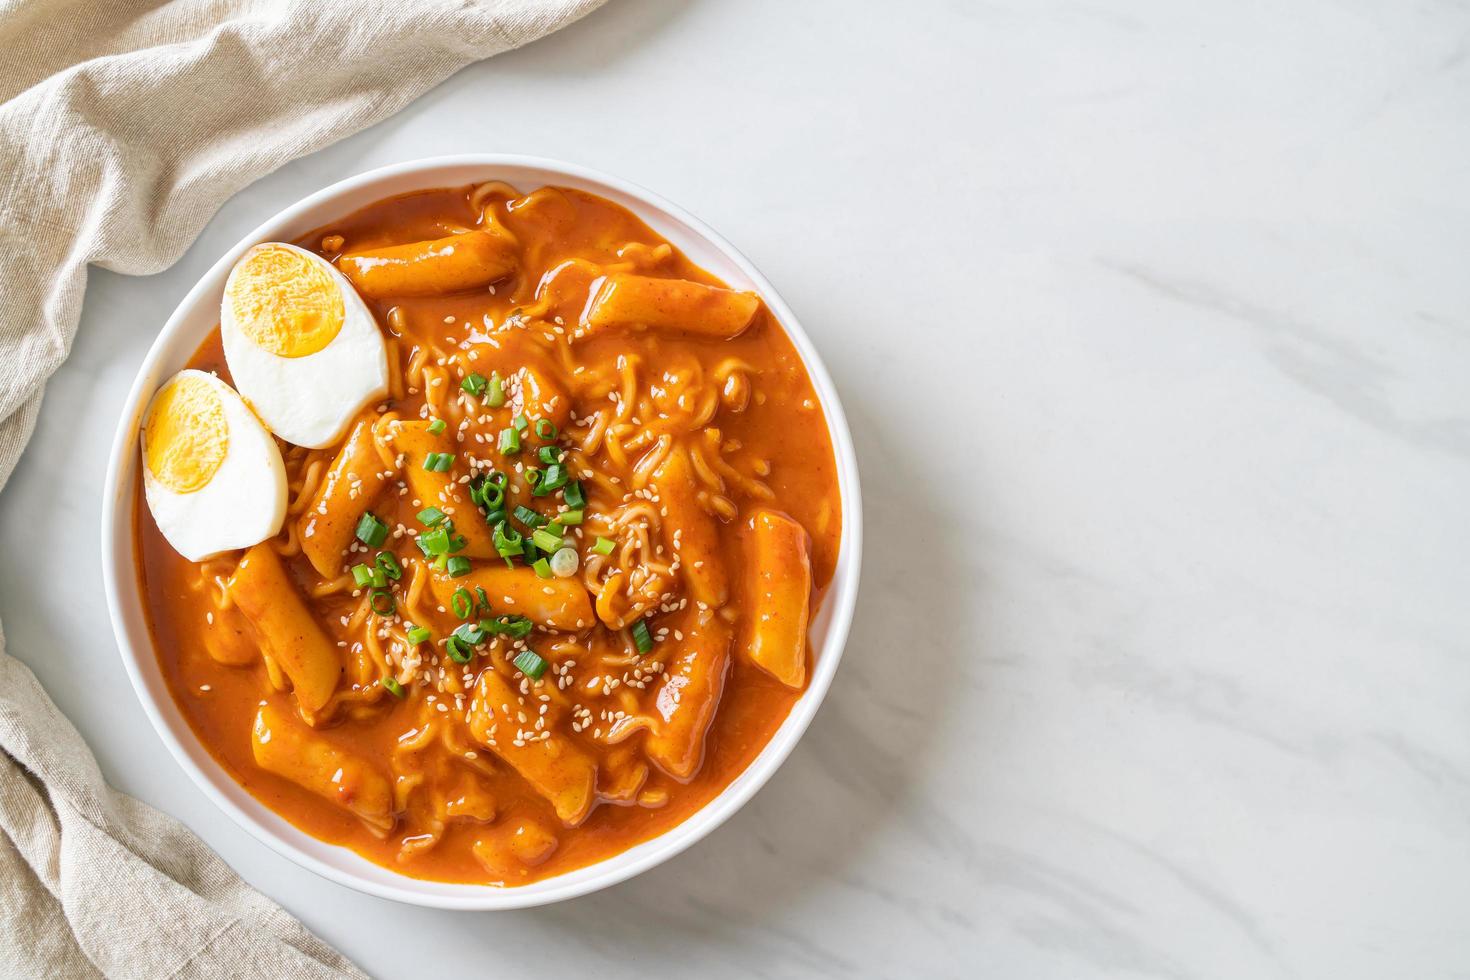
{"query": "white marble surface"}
[(1153, 323)]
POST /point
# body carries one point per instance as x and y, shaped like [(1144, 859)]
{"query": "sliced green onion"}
[(520, 423), (641, 639), (507, 540), (475, 384), (568, 518), (437, 426), (545, 540), (418, 634), (371, 531), (462, 603), (528, 517), (431, 516), (573, 495), (542, 567), (388, 565), (457, 542), (512, 626), (533, 477), (469, 634), (484, 600), (488, 492), (564, 563), (546, 429), (604, 546), (438, 462), (531, 664), (392, 686), (382, 602), (554, 477), (362, 575), (434, 543), (529, 550), (494, 517), (495, 395), (457, 566), (458, 652), (510, 442)]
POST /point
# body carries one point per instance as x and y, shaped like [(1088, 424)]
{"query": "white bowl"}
[(187, 328)]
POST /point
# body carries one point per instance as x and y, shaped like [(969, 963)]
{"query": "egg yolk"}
[(285, 302), (186, 438)]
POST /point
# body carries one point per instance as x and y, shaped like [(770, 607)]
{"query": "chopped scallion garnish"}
[(418, 634), (495, 394), (371, 531), (437, 426), (554, 477), (391, 685), (388, 565), (462, 603), (512, 626), (573, 495), (457, 566), (458, 652), (431, 516), (542, 567), (507, 540), (604, 546), (382, 602), (469, 634), (528, 517), (564, 563), (489, 492), (510, 442), (641, 639), (434, 543), (475, 384), (531, 663)]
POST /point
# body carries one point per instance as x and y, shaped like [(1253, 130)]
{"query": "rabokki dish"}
[(483, 534)]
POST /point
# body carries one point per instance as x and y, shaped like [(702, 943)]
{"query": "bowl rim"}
[(139, 658)]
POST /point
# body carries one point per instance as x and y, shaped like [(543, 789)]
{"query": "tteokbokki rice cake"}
[(483, 534)]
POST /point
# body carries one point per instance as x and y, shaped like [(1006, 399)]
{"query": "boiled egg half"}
[(303, 348), (212, 474)]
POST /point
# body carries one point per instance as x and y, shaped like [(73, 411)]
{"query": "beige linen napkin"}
[(124, 124)]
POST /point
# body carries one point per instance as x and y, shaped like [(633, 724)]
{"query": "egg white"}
[(310, 400), (242, 504)]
